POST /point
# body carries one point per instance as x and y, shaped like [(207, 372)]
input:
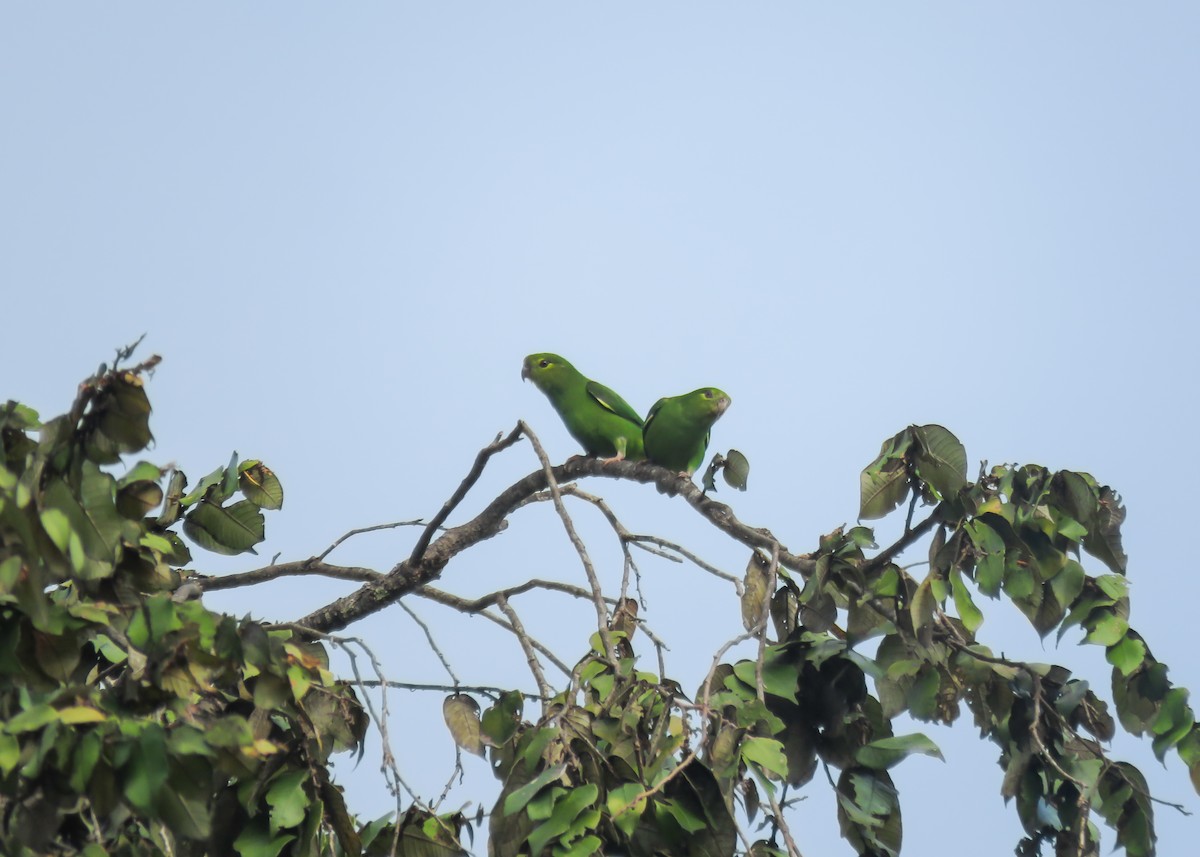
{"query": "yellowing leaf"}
[(461, 713)]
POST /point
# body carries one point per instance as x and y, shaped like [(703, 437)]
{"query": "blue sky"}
[(344, 226)]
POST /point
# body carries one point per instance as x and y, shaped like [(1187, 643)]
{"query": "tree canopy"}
[(137, 721)]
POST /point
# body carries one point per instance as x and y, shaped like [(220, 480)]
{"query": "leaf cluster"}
[(134, 720)]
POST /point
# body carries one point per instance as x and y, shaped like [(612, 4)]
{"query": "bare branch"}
[(416, 522), (534, 665), (642, 541), (285, 569), (484, 601), (407, 575), (472, 477), (781, 824), (454, 601), (485, 690), (588, 568), (432, 643)]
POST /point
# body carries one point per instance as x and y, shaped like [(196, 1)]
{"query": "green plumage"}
[(598, 418), (677, 429)]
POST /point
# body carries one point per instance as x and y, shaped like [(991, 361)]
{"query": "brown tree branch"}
[(472, 477), (589, 570), (409, 575)]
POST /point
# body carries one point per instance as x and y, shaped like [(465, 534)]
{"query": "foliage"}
[(135, 721)]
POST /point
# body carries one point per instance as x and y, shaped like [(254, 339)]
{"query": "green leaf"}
[(624, 811), (10, 753), (767, 753), (1068, 583), (1107, 629), (565, 812), (461, 713), (737, 470), (138, 498), (73, 715), (882, 490), (923, 602), (501, 720), (287, 799), (146, 770), (970, 615), (225, 530), (34, 717), (779, 677), (1114, 586), (260, 485), (212, 480), (886, 752), (256, 841), (1127, 654), (585, 847), (755, 586), (1103, 540), (124, 412), (516, 801), (58, 527), (990, 552), (941, 460)]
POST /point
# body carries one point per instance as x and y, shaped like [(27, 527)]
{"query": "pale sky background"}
[(343, 226)]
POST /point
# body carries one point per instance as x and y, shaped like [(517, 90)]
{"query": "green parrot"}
[(677, 428), (595, 416)]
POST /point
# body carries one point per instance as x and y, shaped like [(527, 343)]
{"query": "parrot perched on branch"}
[(604, 423), (677, 428)]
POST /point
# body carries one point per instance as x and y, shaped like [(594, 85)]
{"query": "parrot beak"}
[(723, 404), (525, 371)]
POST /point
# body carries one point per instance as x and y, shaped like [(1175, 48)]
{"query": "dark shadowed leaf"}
[(756, 585), (1103, 540), (137, 499), (124, 413)]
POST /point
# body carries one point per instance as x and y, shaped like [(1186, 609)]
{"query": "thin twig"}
[(484, 690), (484, 601), (472, 477), (642, 541), (448, 600), (781, 825), (416, 522), (588, 569), (432, 643), (286, 569), (530, 655)]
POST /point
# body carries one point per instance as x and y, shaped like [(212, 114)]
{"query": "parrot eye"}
[(708, 394), (544, 363)]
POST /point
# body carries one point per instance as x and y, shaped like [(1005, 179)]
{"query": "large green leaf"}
[(260, 485), (566, 811), (886, 752), (940, 459), (288, 799), (225, 529), (517, 800)]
